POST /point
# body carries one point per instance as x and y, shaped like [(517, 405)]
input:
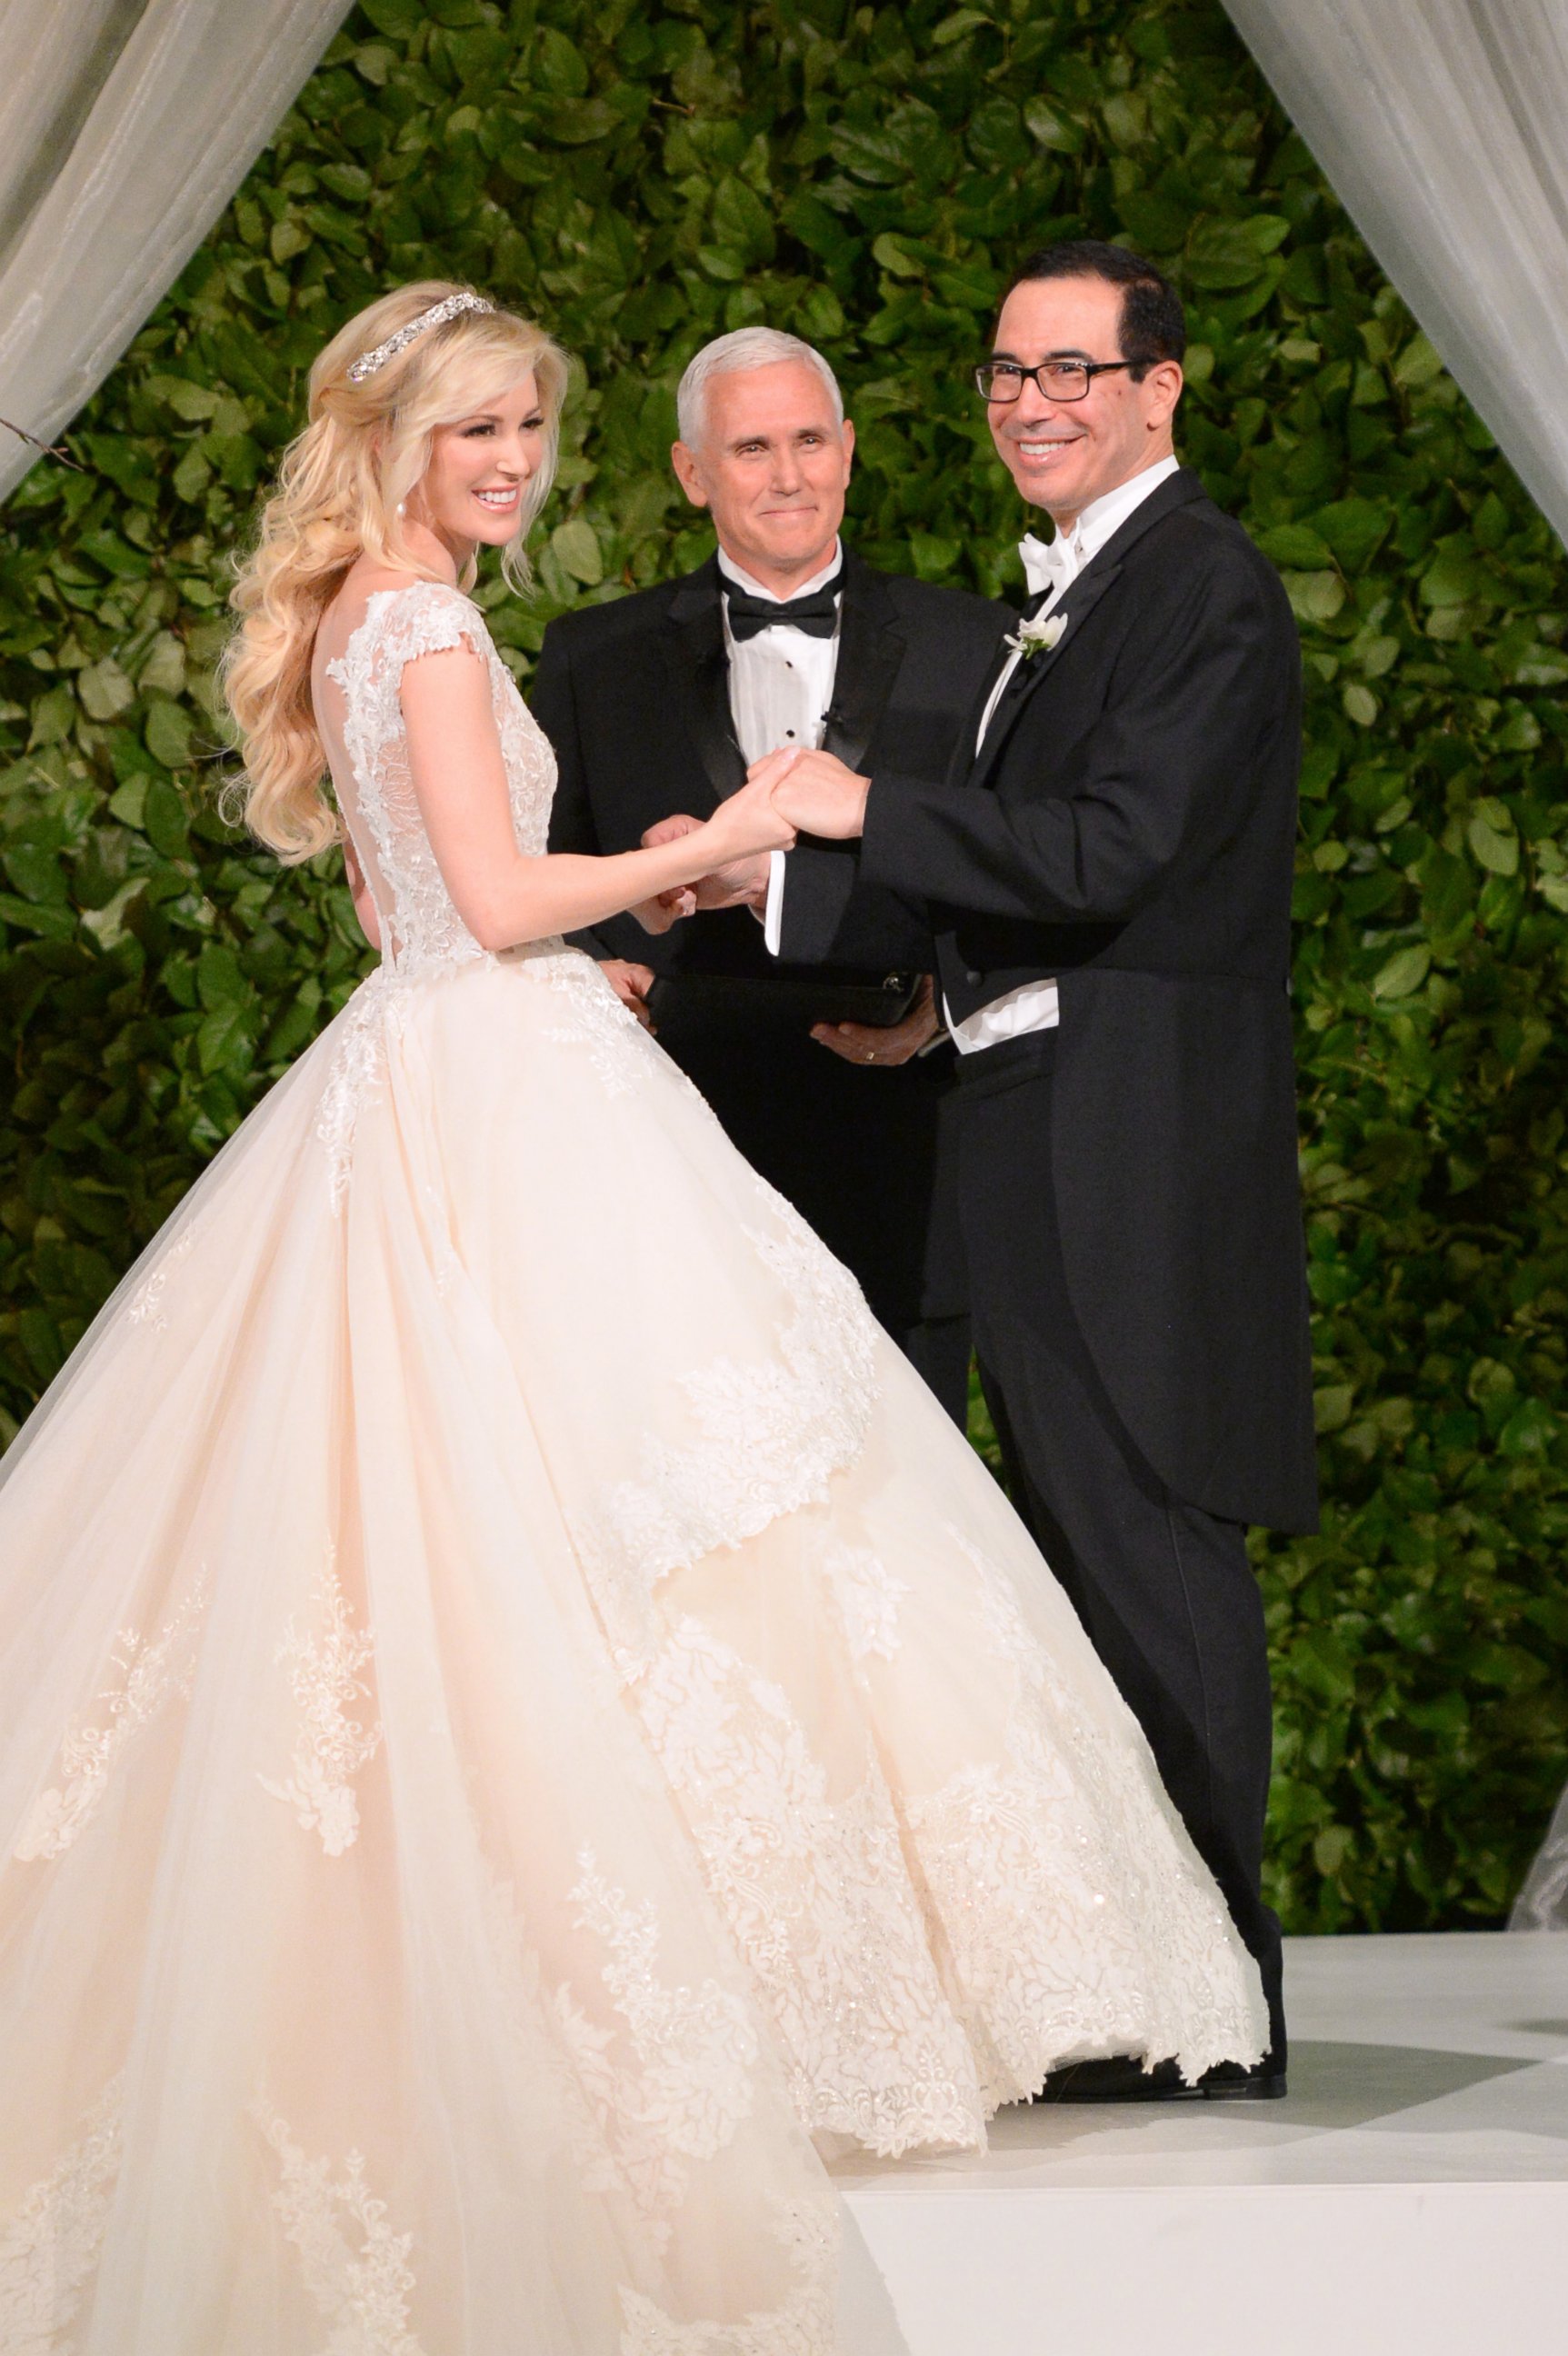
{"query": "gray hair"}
[(745, 348)]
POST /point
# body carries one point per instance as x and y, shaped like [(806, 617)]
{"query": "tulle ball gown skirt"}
[(522, 1729)]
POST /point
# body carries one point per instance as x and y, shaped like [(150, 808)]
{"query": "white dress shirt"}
[(780, 685), (1054, 565)]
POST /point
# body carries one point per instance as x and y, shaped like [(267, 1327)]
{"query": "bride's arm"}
[(503, 895)]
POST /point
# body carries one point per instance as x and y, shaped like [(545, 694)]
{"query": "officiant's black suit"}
[(1128, 1180), (634, 696)]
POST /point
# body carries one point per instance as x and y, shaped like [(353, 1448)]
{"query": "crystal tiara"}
[(368, 362)]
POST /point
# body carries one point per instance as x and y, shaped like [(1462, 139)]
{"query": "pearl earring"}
[(403, 507)]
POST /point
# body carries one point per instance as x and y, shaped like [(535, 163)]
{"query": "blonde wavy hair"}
[(340, 491)]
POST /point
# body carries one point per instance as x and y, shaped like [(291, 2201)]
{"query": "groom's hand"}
[(816, 793)]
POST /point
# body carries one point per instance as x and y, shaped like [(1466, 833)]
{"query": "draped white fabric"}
[(1542, 1903), (1439, 124), (126, 126)]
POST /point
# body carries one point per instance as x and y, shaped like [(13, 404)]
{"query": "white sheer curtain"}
[(1542, 1903), (126, 126), (1443, 127)]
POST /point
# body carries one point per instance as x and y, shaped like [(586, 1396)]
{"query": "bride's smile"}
[(473, 491)]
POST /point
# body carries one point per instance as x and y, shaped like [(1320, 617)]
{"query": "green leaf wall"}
[(644, 176)]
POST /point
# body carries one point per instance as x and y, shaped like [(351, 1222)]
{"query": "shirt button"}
[(973, 979)]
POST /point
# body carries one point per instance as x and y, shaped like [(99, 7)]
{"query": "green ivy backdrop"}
[(644, 176)]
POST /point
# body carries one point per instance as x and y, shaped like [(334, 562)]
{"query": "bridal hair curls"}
[(341, 487)]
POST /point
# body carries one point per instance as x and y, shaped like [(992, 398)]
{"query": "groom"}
[(1108, 865)]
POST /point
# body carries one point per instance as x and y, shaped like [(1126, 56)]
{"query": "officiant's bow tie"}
[(1050, 567), (816, 613)]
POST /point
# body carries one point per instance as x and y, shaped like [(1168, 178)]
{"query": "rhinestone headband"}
[(368, 362)]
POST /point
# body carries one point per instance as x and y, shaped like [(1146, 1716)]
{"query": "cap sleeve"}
[(429, 617)]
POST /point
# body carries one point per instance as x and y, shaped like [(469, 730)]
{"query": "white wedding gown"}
[(522, 1727)]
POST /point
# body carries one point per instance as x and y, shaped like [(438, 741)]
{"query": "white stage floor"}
[(1409, 2194)]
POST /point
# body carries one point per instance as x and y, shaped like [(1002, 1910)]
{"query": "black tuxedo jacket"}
[(1129, 826), (634, 696)]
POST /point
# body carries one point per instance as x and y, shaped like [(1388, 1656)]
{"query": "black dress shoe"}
[(1122, 2080)]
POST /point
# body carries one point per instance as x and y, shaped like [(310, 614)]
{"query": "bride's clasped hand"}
[(723, 847), (595, 1740)]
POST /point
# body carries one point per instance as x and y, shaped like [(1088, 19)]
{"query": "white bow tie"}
[(1053, 564)]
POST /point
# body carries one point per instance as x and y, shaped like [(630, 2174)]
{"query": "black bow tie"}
[(816, 613)]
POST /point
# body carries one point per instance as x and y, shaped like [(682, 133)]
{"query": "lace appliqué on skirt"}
[(694, 2051), (364, 2290), (803, 2327), (324, 1678), (1074, 1931), (151, 1674), (869, 1595), (613, 1037), (772, 1433), (357, 1073), (819, 1900), (50, 2250)]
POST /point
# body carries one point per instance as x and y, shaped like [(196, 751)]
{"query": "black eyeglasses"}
[(1057, 380)]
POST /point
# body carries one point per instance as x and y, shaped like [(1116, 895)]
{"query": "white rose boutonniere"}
[(1039, 635)]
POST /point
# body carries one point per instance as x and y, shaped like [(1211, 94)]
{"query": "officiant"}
[(656, 702)]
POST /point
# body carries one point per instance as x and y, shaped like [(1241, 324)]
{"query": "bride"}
[(523, 1730)]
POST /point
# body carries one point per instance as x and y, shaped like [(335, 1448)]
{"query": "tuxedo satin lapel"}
[(699, 672), (1076, 606), (870, 649)]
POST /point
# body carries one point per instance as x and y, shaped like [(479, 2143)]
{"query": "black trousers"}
[(1164, 1589), (939, 1349)]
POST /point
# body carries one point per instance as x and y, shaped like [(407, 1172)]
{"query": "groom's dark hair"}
[(1154, 324)]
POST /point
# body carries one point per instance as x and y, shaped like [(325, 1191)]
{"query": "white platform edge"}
[(1253, 2270)]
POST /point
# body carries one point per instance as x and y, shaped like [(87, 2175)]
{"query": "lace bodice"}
[(421, 929)]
